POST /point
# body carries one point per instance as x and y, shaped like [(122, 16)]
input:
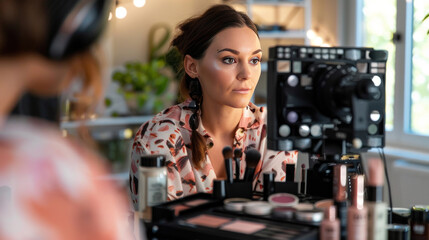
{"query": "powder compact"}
[(235, 204), (309, 216), (258, 208), (283, 200)]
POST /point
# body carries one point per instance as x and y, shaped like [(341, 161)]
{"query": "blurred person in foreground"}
[(50, 187)]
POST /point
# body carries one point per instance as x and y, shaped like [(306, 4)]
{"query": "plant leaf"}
[(426, 17), (108, 102)]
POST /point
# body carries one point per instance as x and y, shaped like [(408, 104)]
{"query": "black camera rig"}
[(326, 101)]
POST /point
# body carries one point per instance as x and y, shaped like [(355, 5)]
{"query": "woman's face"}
[(230, 68)]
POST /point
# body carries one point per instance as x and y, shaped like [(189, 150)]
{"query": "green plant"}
[(426, 17), (143, 83)]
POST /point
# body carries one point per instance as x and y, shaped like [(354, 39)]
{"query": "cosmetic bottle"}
[(357, 216), (377, 209), (152, 184), (398, 232), (340, 197), (419, 222), (330, 226)]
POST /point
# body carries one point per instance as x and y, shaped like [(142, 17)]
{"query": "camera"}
[(328, 101)]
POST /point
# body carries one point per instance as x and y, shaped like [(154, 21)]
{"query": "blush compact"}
[(283, 200)]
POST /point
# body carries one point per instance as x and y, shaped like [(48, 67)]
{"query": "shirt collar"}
[(251, 119)]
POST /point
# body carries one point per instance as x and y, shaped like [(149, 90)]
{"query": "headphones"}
[(74, 25)]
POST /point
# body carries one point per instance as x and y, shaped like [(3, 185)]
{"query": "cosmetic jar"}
[(283, 200), (284, 212), (152, 188), (235, 204), (398, 232), (258, 208), (419, 222), (304, 206), (309, 216), (322, 204)]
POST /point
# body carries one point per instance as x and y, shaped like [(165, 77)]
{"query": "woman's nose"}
[(244, 72)]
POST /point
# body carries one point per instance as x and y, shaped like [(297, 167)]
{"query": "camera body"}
[(326, 100)]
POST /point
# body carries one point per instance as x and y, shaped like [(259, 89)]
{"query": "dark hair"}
[(24, 30), (193, 39)]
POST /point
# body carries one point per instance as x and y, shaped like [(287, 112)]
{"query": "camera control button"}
[(292, 80), (316, 130), (357, 143), (292, 117), (284, 130), (304, 130), (353, 54)]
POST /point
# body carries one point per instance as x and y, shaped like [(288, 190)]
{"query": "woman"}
[(221, 60), (50, 187)]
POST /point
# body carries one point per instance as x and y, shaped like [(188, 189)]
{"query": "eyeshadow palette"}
[(200, 216), (222, 225)]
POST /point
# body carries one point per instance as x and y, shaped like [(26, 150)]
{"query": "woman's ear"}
[(190, 65)]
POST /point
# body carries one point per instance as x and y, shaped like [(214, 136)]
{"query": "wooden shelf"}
[(107, 122), (283, 34), (298, 3)]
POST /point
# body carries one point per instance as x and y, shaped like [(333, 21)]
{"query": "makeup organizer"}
[(234, 211), (202, 216)]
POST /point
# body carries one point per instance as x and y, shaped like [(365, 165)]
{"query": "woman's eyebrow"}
[(235, 51)]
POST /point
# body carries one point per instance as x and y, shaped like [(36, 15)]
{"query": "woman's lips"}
[(242, 90)]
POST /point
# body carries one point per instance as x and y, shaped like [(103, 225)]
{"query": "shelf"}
[(106, 122), (297, 3), (283, 34)]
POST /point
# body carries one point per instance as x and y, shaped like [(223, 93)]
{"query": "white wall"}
[(130, 35)]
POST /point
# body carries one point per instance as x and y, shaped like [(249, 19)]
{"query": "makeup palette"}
[(192, 203), (203, 217), (212, 224)]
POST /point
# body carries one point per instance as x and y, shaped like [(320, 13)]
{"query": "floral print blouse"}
[(169, 133), (51, 187)]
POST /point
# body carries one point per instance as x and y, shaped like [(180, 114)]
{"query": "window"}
[(419, 122), (396, 26), (378, 27)]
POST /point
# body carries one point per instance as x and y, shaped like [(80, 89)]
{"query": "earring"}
[(194, 105)]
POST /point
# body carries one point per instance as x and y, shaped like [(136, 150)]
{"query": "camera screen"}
[(326, 100)]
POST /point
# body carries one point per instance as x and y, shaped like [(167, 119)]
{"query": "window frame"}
[(351, 34)]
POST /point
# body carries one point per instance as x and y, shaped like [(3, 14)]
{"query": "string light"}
[(121, 12), (139, 3), (316, 39)]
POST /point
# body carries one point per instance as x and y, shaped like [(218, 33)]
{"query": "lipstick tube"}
[(340, 197), (357, 216), (377, 209)]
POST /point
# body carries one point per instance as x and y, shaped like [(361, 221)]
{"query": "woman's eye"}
[(228, 60), (255, 60)]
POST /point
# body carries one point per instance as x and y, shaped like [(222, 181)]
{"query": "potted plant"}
[(145, 86)]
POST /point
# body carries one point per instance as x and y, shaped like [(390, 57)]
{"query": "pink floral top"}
[(51, 188), (169, 133)]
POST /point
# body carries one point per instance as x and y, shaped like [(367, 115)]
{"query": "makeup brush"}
[(237, 157), (227, 155), (290, 172), (303, 171), (252, 159)]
